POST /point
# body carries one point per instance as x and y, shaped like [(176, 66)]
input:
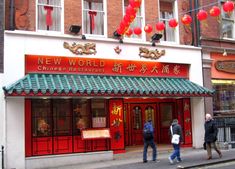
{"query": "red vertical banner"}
[(28, 128), (187, 122), (116, 125)]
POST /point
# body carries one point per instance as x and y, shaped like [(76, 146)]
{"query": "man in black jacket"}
[(211, 136), (175, 128)]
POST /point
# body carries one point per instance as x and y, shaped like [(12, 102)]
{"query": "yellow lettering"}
[(57, 61), (48, 61), (72, 62), (40, 60)]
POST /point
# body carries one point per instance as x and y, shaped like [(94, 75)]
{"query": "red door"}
[(140, 113)]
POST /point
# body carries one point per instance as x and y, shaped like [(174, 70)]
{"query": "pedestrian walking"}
[(148, 136), (211, 136), (176, 138)]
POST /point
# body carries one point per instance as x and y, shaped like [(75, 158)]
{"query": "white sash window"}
[(49, 15), (93, 17)]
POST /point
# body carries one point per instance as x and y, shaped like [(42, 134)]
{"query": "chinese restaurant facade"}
[(61, 105)]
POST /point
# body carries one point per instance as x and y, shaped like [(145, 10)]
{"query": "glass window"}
[(167, 13), (166, 111), (138, 22), (224, 96), (93, 17), (62, 117), (81, 115), (41, 118), (49, 15), (137, 113), (149, 114), (228, 26), (98, 113)]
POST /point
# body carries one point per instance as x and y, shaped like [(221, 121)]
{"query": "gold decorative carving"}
[(78, 49), (151, 54), (21, 18), (117, 50)]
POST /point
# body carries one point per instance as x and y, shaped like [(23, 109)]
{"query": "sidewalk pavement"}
[(191, 158)]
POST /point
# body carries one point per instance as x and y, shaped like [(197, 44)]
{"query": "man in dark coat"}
[(175, 128), (211, 136)]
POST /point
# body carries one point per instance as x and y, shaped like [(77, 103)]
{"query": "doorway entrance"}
[(136, 114)]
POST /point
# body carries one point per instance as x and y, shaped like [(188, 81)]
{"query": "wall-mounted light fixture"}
[(225, 53), (75, 29), (155, 38), (118, 36)]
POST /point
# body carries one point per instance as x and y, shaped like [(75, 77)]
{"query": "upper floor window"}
[(138, 21), (93, 17), (49, 15), (167, 8), (228, 25)]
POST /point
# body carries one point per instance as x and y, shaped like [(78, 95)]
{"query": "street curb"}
[(208, 163)]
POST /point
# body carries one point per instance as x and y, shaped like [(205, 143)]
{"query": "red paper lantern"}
[(215, 11), (130, 10), (202, 15), (173, 23), (160, 26), (137, 30), (135, 3), (148, 28), (186, 19), (129, 32), (127, 18), (228, 6)]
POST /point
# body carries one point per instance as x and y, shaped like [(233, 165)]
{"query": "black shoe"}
[(145, 161)]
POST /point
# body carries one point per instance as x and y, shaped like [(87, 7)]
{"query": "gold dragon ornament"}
[(78, 49), (151, 54)]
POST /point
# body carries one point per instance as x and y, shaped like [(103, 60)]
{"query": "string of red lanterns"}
[(134, 6)]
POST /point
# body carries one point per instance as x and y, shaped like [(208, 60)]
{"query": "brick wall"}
[(73, 15), (212, 27)]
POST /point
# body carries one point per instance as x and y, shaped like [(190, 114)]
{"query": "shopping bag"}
[(175, 139)]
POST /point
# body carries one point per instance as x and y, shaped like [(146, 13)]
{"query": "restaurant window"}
[(41, 118), (98, 113), (228, 25), (167, 8), (224, 96), (138, 21), (81, 115), (49, 15), (62, 117), (93, 17)]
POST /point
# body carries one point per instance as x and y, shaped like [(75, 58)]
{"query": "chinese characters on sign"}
[(71, 65), (116, 124)]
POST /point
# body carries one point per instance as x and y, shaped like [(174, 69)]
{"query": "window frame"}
[(105, 21), (143, 34), (61, 20), (175, 16), (227, 19)]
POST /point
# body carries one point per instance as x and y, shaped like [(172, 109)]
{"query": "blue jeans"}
[(176, 152), (152, 144)]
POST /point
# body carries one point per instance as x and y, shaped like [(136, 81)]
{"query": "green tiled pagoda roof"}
[(94, 85)]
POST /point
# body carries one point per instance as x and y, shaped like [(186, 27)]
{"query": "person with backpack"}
[(148, 135), (175, 132)]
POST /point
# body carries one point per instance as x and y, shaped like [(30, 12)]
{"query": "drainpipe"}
[(193, 26), (12, 15), (198, 30)]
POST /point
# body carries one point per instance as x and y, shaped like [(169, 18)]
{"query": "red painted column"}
[(117, 125), (28, 128)]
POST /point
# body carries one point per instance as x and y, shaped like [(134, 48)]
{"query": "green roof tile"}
[(94, 85)]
